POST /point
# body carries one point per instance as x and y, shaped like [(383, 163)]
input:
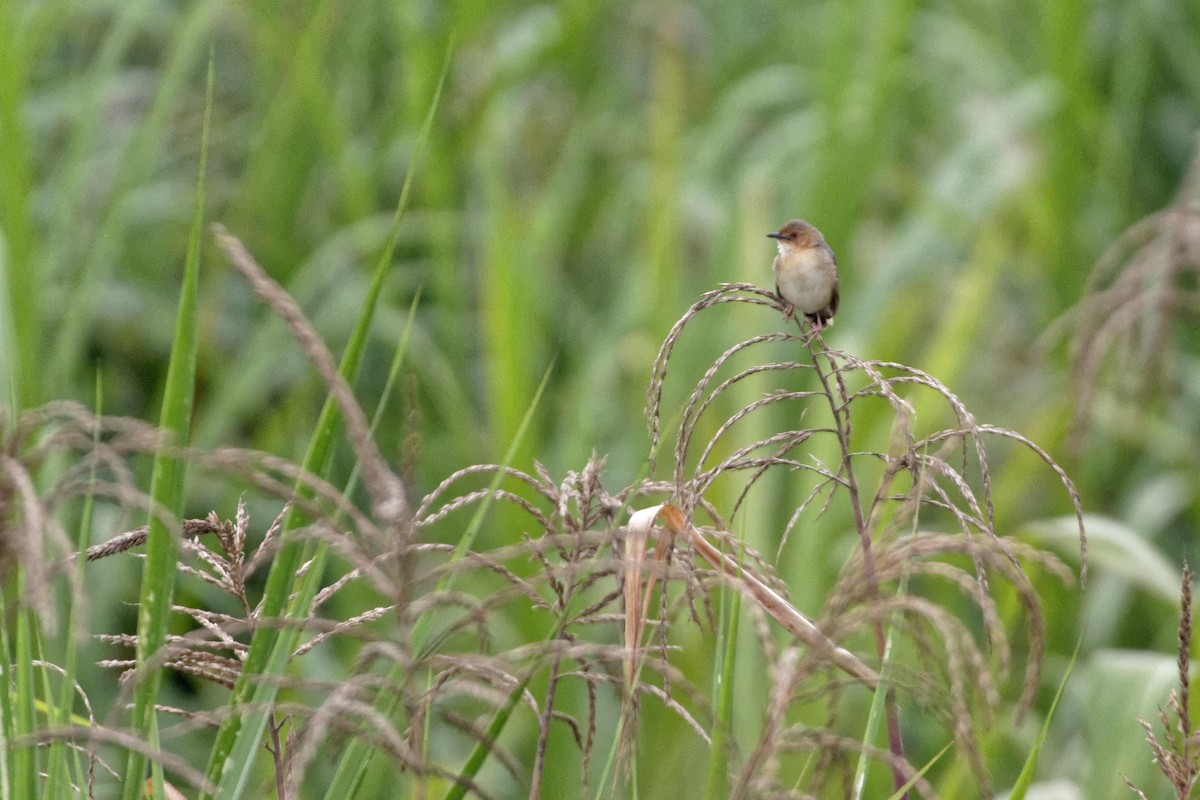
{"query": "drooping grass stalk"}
[(167, 485), (240, 736)]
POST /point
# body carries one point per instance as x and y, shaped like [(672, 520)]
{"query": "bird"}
[(806, 276)]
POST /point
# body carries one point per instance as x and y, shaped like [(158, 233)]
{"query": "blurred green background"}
[(592, 169)]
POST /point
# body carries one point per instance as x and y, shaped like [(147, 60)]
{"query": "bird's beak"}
[(774, 236)]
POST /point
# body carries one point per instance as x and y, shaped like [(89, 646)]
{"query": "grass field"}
[(431, 298)]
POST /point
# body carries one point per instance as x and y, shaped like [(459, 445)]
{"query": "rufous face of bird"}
[(798, 234)]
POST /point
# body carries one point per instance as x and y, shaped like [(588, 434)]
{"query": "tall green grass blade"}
[(25, 761), (899, 793), (1025, 779), (717, 781), (167, 481), (7, 717), (480, 752), (8, 754), (879, 703), (18, 273), (240, 736)]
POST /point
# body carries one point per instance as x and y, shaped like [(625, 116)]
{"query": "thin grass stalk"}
[(167, 482), (546, 718), (156, 783)]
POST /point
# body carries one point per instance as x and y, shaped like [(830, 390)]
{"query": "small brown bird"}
[(806, 274)]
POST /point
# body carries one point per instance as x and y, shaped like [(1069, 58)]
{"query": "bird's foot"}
[(814, 331)]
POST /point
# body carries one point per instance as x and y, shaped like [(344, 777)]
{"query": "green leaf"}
[(167, 484), (1025, 779)]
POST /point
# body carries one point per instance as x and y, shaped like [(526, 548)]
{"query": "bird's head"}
[(798, 234)]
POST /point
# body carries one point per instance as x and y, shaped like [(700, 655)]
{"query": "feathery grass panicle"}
[(1123, 330), (897, 496), (572, 528), (1177, 753), (922, 507), (98, 450)]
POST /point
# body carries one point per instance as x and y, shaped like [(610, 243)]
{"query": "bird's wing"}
[(833, 301)]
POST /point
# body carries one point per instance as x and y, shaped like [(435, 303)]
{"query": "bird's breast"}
[(806, 279)]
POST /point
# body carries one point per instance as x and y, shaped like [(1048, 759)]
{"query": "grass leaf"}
[(167, 483)]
